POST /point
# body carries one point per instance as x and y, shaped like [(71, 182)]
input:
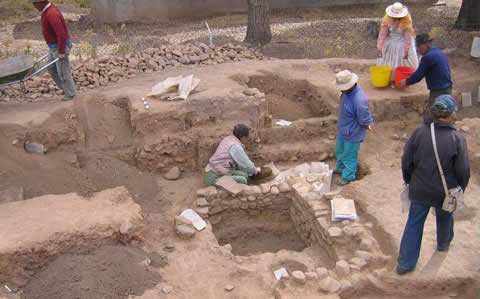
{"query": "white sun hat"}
[(345, 80), (397, 10)]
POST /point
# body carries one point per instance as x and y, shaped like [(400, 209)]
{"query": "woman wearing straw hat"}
[(396, 40)]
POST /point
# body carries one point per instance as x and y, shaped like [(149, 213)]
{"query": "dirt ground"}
[(104, 165), (104, 157), (109, 272)]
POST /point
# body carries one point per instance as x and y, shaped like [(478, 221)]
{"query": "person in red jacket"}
[(57, 37)]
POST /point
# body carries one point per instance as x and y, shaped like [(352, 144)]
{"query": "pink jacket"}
[(222, 162)]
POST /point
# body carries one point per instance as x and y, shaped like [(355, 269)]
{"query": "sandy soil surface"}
[(199, 268), (109, 272)]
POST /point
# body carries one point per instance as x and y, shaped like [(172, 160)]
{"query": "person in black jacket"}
[(421, 174)]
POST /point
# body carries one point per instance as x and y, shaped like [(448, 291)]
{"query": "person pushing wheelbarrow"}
[(57, 37)]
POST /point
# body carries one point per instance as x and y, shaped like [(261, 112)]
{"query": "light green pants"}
[(211, 178)]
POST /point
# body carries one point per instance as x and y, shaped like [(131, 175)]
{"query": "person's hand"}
[(258, 169), (61, 56), (403, 82), (370, 127), (379, 54)]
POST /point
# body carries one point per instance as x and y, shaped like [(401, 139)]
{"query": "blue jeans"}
[(347, 158), (412, 236)]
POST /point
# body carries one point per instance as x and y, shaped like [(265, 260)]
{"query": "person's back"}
[(438, 75), (221, 161), (420, 166), (422, 176)]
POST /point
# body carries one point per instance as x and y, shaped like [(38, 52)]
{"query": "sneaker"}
[(403, 271), (443, 248), (68, 98), (342, 182)]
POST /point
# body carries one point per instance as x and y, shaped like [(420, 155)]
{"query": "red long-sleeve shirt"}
[(54, 28)]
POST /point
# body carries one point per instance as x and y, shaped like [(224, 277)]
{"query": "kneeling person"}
[(230, 159)]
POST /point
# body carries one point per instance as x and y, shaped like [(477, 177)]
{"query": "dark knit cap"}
[(241, 130), (423, 39)]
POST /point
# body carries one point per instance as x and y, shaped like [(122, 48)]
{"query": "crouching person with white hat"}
[(353, 120), (57, 37)]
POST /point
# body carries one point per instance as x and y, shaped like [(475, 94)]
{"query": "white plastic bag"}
[(405, 200)]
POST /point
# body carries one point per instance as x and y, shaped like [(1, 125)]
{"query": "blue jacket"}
[(434, 67), (354, 116)]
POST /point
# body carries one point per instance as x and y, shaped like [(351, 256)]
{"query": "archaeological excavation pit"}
[(269, 231), (290, 99), (290, 213)]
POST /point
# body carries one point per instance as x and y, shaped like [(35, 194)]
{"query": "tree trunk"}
[(469, 16), (258, 29)]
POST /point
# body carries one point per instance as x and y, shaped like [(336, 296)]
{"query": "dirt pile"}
[(101, 71), (110, 272)]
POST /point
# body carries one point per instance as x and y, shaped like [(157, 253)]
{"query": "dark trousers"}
[(427, 116), (413, 234)]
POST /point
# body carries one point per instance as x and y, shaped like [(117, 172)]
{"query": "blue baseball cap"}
[(444, 103)]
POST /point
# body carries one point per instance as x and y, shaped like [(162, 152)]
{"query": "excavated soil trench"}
[(291, 99), (107, 160), (269, 232)]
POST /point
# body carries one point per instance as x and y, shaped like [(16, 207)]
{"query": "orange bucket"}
[(402, 72)]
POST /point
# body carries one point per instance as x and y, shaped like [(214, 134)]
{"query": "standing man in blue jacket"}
[(436, 70), (353, 121)]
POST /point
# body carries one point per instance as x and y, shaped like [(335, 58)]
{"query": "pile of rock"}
[(101, 71), (331, 281)]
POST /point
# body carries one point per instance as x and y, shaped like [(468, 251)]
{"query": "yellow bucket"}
[(381, 75)]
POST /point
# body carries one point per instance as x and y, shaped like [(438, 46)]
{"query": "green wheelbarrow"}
[(19, 69)]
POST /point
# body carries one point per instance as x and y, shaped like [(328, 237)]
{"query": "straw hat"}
[(345, 80), (397, 10)]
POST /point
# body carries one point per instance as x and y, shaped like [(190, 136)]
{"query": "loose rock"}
[(335, 232), (366, 244), (229, 288), (173, 174), (322, 273), (229, 185), (359, 262), (311, 276), (275, 190), (284, 187), (202, 202), (323, 157), (342, 268), (367, 256), (202, 212), (169, 248), (185, 231), (298, 277), (207, 192), (167, 289), (329, 285)]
